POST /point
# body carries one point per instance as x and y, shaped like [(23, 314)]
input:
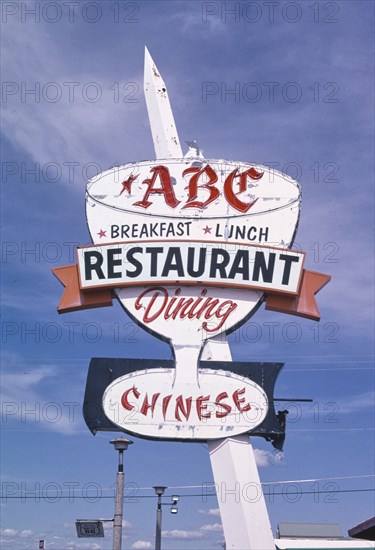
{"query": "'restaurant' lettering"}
[(191, 263), (261, 267), (93, 262), (181, 408)]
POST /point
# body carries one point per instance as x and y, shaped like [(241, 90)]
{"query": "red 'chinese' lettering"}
[(181, 408)]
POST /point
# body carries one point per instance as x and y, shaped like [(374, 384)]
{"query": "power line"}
[(55, 499), (290, 430), (333, 430), (308, 360), (335, 478), (212, 484)]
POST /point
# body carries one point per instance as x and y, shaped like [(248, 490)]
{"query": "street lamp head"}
[(160, 490), (121, 444), (174, 509)]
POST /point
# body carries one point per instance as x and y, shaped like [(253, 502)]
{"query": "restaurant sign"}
[(190, 247), (206, 224)]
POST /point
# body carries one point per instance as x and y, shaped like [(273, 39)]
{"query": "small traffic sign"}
[(92, 528)]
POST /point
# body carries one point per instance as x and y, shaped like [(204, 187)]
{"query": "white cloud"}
[(108, 527), (177, 534), (210, 512), (262, 458), (72, 545), (25, 399), (346, 405), (9, 532), (141, 545), (51, 126), (330, 250), (126, 524), (356, 403), (191, 21), (212, 527), (26, 533)]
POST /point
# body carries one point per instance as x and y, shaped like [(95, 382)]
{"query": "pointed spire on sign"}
[(163, 128)]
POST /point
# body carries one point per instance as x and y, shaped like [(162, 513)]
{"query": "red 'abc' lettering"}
[(160, 183)]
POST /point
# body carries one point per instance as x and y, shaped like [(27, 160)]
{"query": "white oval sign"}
[(175, 199), (219, 404), (204, 189)]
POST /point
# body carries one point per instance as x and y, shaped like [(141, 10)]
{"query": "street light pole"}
[(120, 445), (159, 490)]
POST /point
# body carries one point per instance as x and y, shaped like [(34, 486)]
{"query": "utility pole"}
[(120, 445), (159, 490)]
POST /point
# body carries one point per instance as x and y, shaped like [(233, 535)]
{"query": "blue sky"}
[(302, 102)]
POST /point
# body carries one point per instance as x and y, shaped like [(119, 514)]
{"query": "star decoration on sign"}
[(207, 230), (102, 233), (127, 184)]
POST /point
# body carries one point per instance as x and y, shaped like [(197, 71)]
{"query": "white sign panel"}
[(211, 200), (189, 200), (217, 264), (217, 404)]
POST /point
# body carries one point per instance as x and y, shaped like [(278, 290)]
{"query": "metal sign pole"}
[(242, 505), (241, 501), (245, 523)]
